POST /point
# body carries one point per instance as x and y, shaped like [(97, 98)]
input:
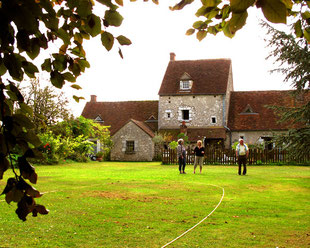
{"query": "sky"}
[(155, 32)]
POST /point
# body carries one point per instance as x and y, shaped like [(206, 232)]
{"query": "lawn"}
[(112, 204)]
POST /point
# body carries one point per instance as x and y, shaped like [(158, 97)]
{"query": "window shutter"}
[(136, 147), (124, 146)]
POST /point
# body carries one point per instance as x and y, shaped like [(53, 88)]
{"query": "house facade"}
[(196, 93), (197, 98)]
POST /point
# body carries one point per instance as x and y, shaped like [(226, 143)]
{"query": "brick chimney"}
[(93, 98), (172, 56)]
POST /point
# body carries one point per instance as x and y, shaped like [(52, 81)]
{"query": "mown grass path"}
[(114, 204)]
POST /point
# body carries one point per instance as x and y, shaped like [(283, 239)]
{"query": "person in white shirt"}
[(242, 153)]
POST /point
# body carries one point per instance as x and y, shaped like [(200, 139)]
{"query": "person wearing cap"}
[(199, 152), (242, 153), (181, 153)]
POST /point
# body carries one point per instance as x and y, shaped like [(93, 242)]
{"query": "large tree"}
[(292, 57), (26, 29), (48, 106)]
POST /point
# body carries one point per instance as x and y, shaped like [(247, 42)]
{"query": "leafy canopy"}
[(230, 16)]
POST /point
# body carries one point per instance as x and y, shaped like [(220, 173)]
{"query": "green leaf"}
[(108, 3), (274, 10), (123, 40), (13, 64), (212, 30), (307, 35), (226, 31), (76, 86), (210, 3), (57, 79), (62, 34), (30, 69), (23, 121), (238, 6), (47, 66), (78, 37), (198, 24), (107, 40), (113, 18), (225, 11), (69, 77), (4, 164), (119, 2), (3, 69), (201, 34), (84, 63), (32, 138), (77, 98), (93, 25), (297, 28), (84, 8), (203, 11), (60, 62), (181, 4), (25, 108), (35, 48), (237, 21), (305, 15), (190, 31)]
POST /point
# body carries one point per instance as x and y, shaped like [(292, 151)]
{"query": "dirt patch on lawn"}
[(297, 240), (123, 196)]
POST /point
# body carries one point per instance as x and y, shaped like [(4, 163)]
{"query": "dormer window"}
[(248, 111), (186, 82), (99, 119)]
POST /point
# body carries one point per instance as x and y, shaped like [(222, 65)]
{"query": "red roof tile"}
[(144, 127), (117, 114), (195, 134), (209, 76), (261, 118)]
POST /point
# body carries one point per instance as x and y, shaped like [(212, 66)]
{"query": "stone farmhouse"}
[(197, 98)]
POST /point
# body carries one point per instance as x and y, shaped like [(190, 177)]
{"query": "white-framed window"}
[(213, 119), (186, 84), (185, 114)]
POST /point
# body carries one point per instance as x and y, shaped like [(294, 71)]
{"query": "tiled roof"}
[(209, 76), (117, 114), (144, 127), (248, 111), (195, 134)]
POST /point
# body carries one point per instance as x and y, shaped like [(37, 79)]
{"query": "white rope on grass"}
[(199, 221)]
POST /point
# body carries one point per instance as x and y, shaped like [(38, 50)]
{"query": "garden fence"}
[(228, 156)]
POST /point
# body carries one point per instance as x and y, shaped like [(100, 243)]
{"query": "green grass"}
[(114, 204)]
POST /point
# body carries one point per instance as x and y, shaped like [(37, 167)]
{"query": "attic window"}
[(99, 119), (248, 110), (186, 81), (152, 118)]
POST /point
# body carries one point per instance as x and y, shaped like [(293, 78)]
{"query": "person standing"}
[(242, 153), (181, 153), (199, 152)]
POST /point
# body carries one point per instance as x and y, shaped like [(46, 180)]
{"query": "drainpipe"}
[(230, 135), (224, 110)]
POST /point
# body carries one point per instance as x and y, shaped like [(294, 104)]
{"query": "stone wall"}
[(252, 137), (201, 110), (144, 147)]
